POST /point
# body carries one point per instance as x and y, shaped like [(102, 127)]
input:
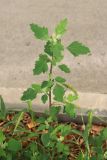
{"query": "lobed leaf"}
[(41, 65), (39, 32), (70, 109), (60, 79), (72, 97), (36, 87), (57, 49), (29, 94), (64, 68), (61, 27), (62, 148), (77, 48), (65, 130), (54, 50), (58, 93), (46, 84), (48, 48), (44, 98), (41, 127), (54, 111), (45, 138)]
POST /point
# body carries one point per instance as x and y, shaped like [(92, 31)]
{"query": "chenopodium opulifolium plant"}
[(54, 89)]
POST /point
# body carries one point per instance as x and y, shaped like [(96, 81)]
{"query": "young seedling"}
[(54, 89)]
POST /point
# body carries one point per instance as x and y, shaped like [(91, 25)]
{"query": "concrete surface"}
[(87, 101), (18, 48)]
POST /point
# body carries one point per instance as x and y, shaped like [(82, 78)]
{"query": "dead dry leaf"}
[(32, 125)]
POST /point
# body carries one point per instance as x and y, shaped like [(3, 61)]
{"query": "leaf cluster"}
[(50, 58)]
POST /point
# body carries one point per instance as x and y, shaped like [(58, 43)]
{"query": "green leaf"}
[(104, 134), (45, 138), (2, 153), (61, 27), (43, 156), (58, 92), (54, 49), (57, 129), (64, 68), (57, 49), (54, 111), (72, 97), (40, 32), (41, 120), (33, 134), (41, 65), (63, 157), (2, 108), (65, 130), (9, 156), (48, 48), (36, 87), (77, 48), (62, 148), (2, 137), (70, 110), (41, 127), (60, 79), (46, 84), (44, 98), (14, 145), (29, 94), (33, 148)]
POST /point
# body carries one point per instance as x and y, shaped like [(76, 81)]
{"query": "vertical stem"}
[(50, 91), (30, 109), (29, 105), (18, 121)]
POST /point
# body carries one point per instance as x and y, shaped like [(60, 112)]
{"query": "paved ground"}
[(19, 49)]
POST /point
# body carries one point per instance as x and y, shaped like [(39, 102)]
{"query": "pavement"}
[(19, 49)]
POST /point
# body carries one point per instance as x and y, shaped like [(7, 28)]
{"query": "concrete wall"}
[(18, 48)]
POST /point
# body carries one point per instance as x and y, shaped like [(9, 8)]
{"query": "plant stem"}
[(18, 121), (30, 109), (50, 79), (71, 88)]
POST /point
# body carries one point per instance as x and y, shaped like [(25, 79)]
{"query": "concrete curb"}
[(87, 101)]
